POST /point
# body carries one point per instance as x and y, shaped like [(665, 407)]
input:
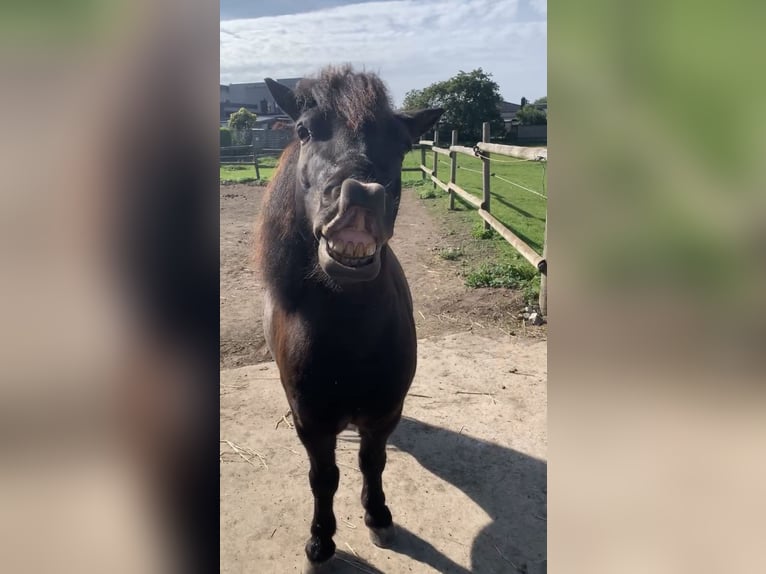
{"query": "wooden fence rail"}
[(483, 151), (251, 157)]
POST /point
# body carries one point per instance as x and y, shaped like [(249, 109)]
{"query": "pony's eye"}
[(303, 133)]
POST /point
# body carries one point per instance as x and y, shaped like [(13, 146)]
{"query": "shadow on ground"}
[(509, 486)]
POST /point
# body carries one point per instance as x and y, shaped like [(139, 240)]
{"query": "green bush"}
[(479, 232), (507, 275), (451, 253), (225, 137)]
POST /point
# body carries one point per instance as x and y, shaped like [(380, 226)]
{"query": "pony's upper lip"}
[(354, 221)]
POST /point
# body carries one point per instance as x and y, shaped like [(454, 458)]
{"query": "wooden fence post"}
[(453, 170), (422, 161), (543, 301), (485, 172), (255, 163), (436, 155)]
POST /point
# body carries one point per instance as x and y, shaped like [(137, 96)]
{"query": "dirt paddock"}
[(466, 472)]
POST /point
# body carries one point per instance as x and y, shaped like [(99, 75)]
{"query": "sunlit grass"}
[(245, 172), (522, 211)]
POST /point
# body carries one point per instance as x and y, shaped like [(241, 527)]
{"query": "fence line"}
[(491, 174), (481, 154), (251, 157), (521, 186), (483, 151)]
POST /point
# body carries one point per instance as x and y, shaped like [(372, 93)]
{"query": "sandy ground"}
[(466, 473)]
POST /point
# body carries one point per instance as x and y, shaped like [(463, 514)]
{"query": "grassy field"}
[(246, 172), (486, 259), (518, 209)]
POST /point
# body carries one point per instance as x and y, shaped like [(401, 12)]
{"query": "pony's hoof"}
[(310, 567), (383, 537)]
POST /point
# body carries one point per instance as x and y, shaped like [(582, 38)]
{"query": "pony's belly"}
[(346, 374)]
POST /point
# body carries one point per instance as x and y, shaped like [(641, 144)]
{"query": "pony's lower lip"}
[(344, 269)]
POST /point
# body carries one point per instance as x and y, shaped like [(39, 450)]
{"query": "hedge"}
[(225, 137)]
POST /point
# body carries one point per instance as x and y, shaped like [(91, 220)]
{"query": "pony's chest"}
[(341, 345), (348, 342)]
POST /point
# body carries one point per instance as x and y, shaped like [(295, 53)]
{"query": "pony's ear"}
[(420, 121), (285, 98)]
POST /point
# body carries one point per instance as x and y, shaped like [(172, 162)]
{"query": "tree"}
[(468, 99), (541, 101), (524, 102), (240, 123), (531, 115), (242, 119)]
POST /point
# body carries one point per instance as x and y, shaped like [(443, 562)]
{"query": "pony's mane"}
[(354, 96), (277, 218)]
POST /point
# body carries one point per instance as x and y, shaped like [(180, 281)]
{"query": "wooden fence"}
[(483, 151), (250, 156)]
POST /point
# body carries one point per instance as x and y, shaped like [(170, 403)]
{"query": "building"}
[(508, 112), (253, 96), (525, 135)]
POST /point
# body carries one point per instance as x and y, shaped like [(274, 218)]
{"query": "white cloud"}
[(410, 43)]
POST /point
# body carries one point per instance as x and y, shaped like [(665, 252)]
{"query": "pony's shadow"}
[(509, 486), (406, 543)]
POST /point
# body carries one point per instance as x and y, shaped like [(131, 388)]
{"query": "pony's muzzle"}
[(370, 196), (350, 244)]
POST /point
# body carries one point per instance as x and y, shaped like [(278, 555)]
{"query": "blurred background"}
[(109, 281), (657, 267)]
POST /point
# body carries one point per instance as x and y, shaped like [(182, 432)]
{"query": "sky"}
[(409, 43)]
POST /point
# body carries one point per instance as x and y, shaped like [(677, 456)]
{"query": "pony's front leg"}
[(372, 462), (323, 477)]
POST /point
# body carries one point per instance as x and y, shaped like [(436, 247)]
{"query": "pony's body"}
[(346, 375), (338, 310)]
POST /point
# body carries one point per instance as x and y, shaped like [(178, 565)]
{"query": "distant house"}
[(267, 122), (522, 134), (508, 112), (254, 96)]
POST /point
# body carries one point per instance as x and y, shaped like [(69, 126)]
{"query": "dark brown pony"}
[(338, 310)]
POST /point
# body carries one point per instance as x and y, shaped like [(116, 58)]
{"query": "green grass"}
[(410, 178), (486, 259), (245, 172), (507, 275), (479, 232), (451, 253), (519, 210)]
